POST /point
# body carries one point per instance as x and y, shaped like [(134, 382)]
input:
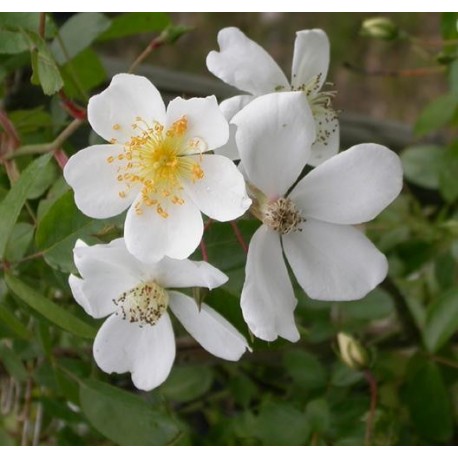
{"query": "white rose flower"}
[(155, 166), (137, 336), (309, 221), (244, 64)]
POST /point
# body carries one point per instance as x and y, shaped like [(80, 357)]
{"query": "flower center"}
[(322, 109), (157, 159), (282, 216), (144, 304)]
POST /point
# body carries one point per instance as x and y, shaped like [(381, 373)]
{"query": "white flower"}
[(155, 166), (138, 337), (309, 221), (244, 64)]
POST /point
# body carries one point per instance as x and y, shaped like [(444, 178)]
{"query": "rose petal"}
[(231, 107), (274, 137), (150, 236), (128, 97), (333, 262), (352, 187), (94, 181), (311, 58), (208, 327), (244, 64), (268, 300), (147, 352), (206, 122), (221, 193)]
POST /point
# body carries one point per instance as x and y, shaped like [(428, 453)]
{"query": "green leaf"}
[(441, 320), (124, 418), (453, 76), (376, 305), (18, 243), (12, 363), (449, 27), (127, 24), (60, 227), (187, 383), (48, 309), (305, 369), (281, 424), (26, 21), (318, 415), (13, 323), (448, 174), (422, 165), (5, 438), (30, 121), (428, 401), (437, 114), (46, 178), (11, 205), (45, 70), (77, 34), (89, 71), (12, 42)]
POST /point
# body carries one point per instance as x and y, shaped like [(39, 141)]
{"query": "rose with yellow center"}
[(158, 166)]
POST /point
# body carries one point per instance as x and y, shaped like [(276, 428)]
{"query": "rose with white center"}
[(309, 221), (155, 165), (137, 336), (244, 64)]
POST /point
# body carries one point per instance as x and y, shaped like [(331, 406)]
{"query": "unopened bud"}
[(380, 27), (173, 32), (352, 352)]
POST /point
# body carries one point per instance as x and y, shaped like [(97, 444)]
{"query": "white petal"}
[(274, 137), (334, 263), (352, 187), (311, 58), (94, 182), (184, 273), (206, 122), (147, 352), (268, 300), (112, 112), (328, 137), (208, 327), (244, 64), (221, 193), (107, 271), (231, 107), (150, 237)]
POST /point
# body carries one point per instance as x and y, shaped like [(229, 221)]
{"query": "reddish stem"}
[(72, 108), (10, 130), (203, 249), (370, 421), (60, 157), (239, 236)]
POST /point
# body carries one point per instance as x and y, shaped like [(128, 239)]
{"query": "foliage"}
[(282, 394)]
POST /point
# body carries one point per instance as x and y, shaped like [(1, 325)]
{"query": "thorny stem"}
[(47, 147), (370, 420), (239, 236), (412, 72)]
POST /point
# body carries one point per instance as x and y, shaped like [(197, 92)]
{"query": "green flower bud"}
[(380, 27), (352, 352)]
